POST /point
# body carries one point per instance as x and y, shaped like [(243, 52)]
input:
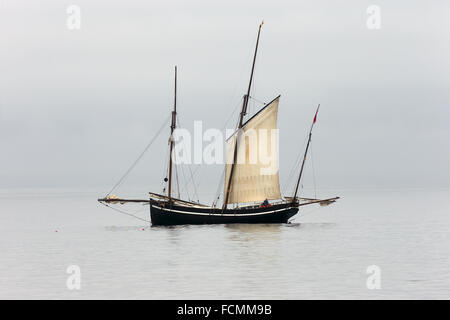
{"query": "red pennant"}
[(315, 116)]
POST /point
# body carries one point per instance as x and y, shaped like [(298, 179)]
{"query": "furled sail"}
[(255, 174)]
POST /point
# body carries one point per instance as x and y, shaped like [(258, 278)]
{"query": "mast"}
[(172, 128), (304, 156), (241, 120)]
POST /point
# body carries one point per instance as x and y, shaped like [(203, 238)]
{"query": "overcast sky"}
[(78, 106)]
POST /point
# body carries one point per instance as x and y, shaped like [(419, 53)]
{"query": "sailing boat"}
[(248, 188)]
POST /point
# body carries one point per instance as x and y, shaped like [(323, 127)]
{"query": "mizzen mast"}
[(172, 128), (304, 156), (241, 121)]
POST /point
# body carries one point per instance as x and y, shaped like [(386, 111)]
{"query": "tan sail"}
[(255, 175)]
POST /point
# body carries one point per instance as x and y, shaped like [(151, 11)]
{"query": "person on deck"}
[(265, 204)]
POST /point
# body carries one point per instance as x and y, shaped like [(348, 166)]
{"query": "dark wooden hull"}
[(165, 214)]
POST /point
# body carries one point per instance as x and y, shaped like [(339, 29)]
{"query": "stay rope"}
[(139, 158), (124, 212), (290, 178)]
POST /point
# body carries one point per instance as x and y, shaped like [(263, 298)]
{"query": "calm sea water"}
[(322, 255)]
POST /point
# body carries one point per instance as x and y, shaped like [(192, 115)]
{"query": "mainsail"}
[(255, 174)]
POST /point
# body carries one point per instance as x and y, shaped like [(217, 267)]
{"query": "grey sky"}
[(77, 107)]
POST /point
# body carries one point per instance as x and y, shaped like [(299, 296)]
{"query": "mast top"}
[(247, 96)]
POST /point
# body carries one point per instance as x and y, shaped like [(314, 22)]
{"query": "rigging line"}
[(176, 174), (252, 107), (187, 181), (231, 114), (298, 161), (166, 172), (174, 165), (140, 156), (313, 172), (181, 167), (187, 189), (259, 101), (243, 69), (191, 179), (254, 88), (293, 168), (193, 182), (124, 212), (195, 185), (166, 165), (217, 195), (307, 213), (193, 173)]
